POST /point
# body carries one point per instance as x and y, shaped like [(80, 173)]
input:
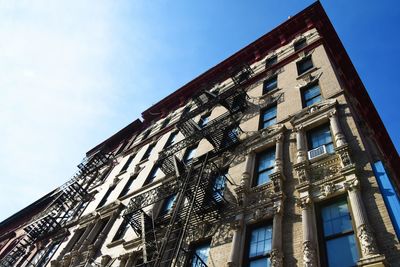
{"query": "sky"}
[(74, 72)]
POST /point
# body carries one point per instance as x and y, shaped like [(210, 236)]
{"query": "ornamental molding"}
[(367, 240), (276, 258), (308, 79), (313, 113), (256, 140), (309, 255)]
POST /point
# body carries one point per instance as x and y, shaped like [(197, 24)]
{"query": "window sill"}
[(321, 157), (115, 243), (143, 161), (269, 93), (301, 76)]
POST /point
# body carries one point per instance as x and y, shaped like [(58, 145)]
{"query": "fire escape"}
[(69, 201), (198, 198)]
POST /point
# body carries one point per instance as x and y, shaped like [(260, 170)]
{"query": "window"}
[(270, 84), (271, 61), (259, 246), (165, 123), (152, 175), (127, 163), (167, 205), (147, 154), (100, 229), (121, 230), (43, 256), (219, 187), (121, 148), (171, 139), (105, 197), (189, 154), (264, 167), (304, 65), (146, 134), (268, 117), (128, 185), (300, 44), (311, 95), (200, 255), (337, 235), (185, 111), (319, 137), (230, 137), (204, 119)]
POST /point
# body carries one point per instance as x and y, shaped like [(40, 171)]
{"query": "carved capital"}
[(328, 189), (304, 202), (303, 176), (345, 157), (309, 255), (352, 185), (279, 138), (276, 258), (367, 240)]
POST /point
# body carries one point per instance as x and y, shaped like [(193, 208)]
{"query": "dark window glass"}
[(271, 61), (319, 137), (338, 235), (200, 255), (99, 230), (204, 119), (165, 123), (189, 154), (270, 84), (185, 111), (312, 95), (127, 163), (265, 166), (268, 117), (219, 187), (147, 154), (304, 65), (105, 197), (167, 204), (121, 230), (230, 137), (259, 246), (300, 44), (171, 139), (121, 148), (152, 175), (128, 185)]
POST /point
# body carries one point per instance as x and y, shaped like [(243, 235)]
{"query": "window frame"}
[(148, 152), (193, 248), (271, 61), (298, 64), (300, 44), (322, 239), (152, 174), (308, 87), (122, 229), (273, 78), (171, 137), (257, 164), (128, 163), (164, 210), (186, 154), (262, 111), (248, 232), (206, 116), (319, 128)]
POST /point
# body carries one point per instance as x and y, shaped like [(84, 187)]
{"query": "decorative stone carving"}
[(303, 202), (302, 175), (345, 157), (327, 189), (367, 241), (276, 258), (352, 185), (309, 255)]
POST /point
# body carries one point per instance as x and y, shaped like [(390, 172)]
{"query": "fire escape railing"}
[(198, 199), (69, 202)]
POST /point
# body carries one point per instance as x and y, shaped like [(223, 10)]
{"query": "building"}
[(274, 157)]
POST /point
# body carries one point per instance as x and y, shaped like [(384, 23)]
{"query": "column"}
[(309, 246), (237, 233), (247, 174), (336, 130), (103, 234), (90, 236), (279, 153), (276, 248), (364, 232), (301, 148)]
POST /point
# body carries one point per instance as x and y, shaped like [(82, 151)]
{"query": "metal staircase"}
[(69, 201)]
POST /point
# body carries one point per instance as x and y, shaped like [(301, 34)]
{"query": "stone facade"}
[(290, 202)]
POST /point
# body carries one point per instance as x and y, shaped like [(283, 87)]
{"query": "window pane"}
[(218, 188), (260, 241), (200, 256), (312, 92), (314, 100), (319, 137), (264, 262), (336, 218), (300, 44), (269, 113), (270, 84), (269, 123), (271, 61), (168, 203), (344, 246), (304, 65), (189, 154), (266, 160)]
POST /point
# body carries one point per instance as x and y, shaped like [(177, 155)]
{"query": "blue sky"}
[(75, 72)]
